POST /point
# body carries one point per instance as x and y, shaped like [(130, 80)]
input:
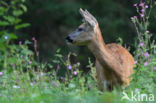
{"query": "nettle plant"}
[(145, 64), (70, 75)]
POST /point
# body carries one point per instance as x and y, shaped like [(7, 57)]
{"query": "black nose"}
[(69, 39)]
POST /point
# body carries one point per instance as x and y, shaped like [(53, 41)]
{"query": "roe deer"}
[(114, 64)]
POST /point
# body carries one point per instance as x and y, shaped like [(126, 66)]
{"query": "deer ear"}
[(88, 17)]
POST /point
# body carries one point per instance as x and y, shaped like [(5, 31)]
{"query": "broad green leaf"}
[(58, 50), (23, 0), (27, 42), (17, 21), (23, 7), (17, 12), (13, 36), (4, 23), (13, 2), (56, 61), (2, 9), (22, 26), (11, 19), (58, 55), (1, 13), (4, 3)]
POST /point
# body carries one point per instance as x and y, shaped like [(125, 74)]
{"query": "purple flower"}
[(146, 63), (146, 6), (30, 62), (135, 17), (135, 5), (135, 62), (21, 56), (142, 15), (46, 87), (143, 10), (58, 67), (61, 78), (154, 68), (20, 42), (6, 37), (89, 86), (147, 31), (146, 54), (75, 73), (141, 4), (1, 73), (69, 67), (33, 38), (141, 43)]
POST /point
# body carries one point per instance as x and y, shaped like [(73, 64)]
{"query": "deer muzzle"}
[(68, 39)]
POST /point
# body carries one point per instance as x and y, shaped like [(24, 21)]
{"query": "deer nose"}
[(69, 39)]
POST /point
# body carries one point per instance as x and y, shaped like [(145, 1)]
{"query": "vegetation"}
[(25, 79)]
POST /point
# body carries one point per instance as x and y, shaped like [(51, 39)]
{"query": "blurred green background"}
[(52, 20)]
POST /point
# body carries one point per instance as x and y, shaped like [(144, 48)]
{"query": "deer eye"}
[(80, 29)]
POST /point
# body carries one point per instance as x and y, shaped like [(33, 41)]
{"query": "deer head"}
[(85, 32)]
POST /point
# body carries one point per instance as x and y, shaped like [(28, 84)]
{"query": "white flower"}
[(6, 37), (15, 86), (32, 84), (41, 74), (72, 85)]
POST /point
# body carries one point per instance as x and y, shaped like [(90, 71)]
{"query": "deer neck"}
[(97, 45), (103, 55)]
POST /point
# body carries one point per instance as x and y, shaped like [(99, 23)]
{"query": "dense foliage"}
[(52, 20), (24, 79)]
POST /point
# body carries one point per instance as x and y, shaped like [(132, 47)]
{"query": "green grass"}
[(47, 87), (24, 80), (46, 90)]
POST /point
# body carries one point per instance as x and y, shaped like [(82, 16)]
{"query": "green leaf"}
[(17, 12), (4, 23), (17, 21), (2, 10), (23, 7), (56, 61), (58, 55), (23, 0), (12, 60), (11, 19), (22, 26), (27, 42), (50, 66), (1, 13), (4, 3), (58, 50), (11, 35)]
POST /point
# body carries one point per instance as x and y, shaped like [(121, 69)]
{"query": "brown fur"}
[(114, 64)]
